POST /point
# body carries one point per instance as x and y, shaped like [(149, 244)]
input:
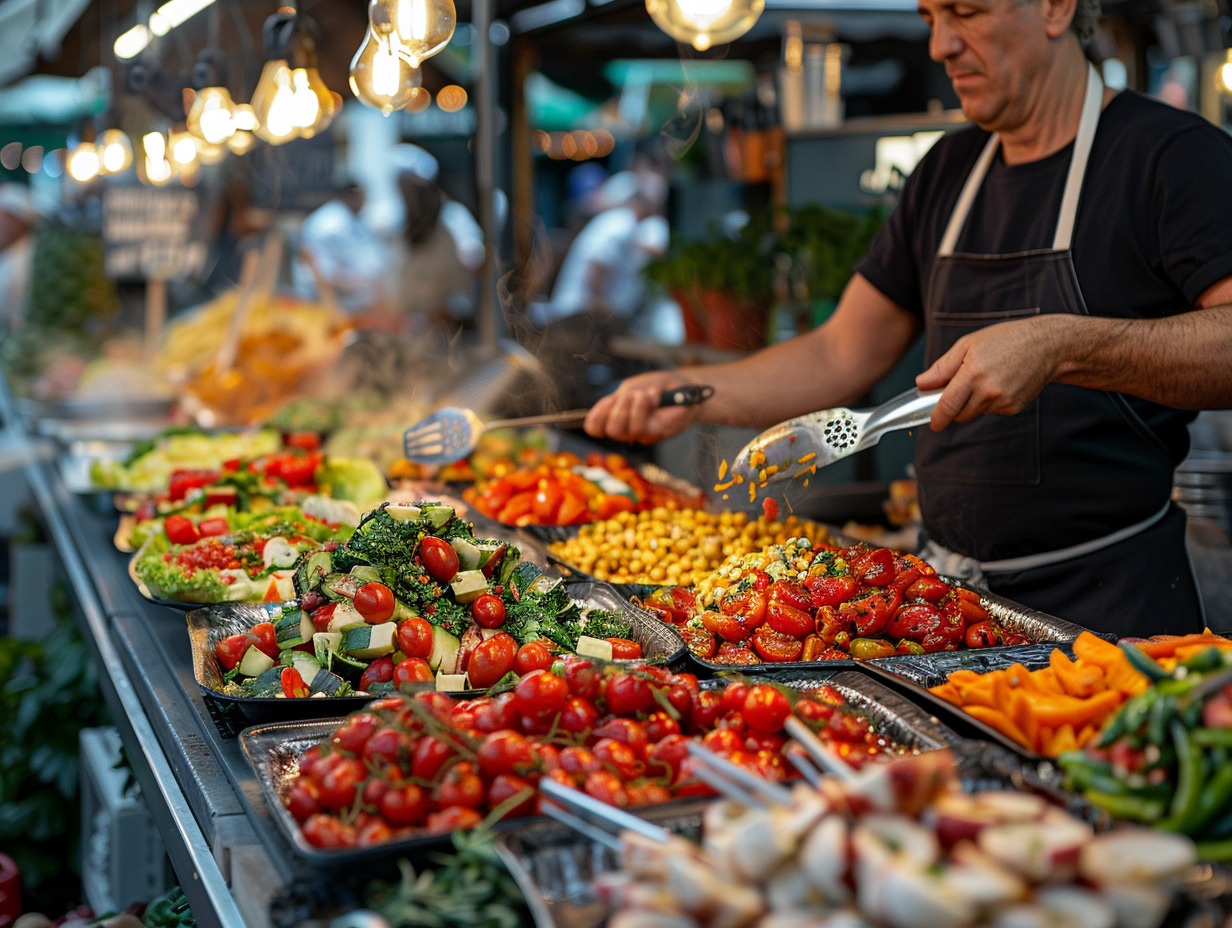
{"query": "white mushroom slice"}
[(906, 896), (982, 879), (790, 890), (759, 845), (1076, 907), (961, 816), (1138, 906), (825, 857), (738, 906), (699, 890), (643, 856), (1044, 851), (903, 836), (1136, 856)]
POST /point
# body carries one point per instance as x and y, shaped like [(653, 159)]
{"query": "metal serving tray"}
[(207, 625), (274, 750), (914, 674)]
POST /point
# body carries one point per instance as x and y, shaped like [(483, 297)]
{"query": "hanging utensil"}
[(799, 446), (450, 434)]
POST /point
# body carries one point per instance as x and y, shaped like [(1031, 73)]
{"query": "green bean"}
[(1143, 663), (1129, 806), (1191, 776)]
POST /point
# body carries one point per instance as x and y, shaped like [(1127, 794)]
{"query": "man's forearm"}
[(1183, 361)]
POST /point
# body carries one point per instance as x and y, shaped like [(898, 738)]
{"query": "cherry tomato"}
[(430, 755), (375, 602), (354, 733), (667, 754), (701, 641), (412, 670), (723, 740), (707, 707), (659, 725), (578, 716), (212, 528), (322, 615), (788, 620), (325, 831), (624, 649), (765, 708), (929, 589), (303, 800), (293, 685), (583, 678), (791, 593), (415, 637), (504, 787), (494, 713), (230, 649), (982, 635), (626, 731), (180, 530), (628, 694), (606, 787), (505, 752), (747, 607), (830, 591), (373, 832), (726, 627), (380, 670), (452, 819), (264, 638), (532, 656), (461, 786), (733, 696), (341, 783), (404, 805), (876, 568), (775, 647), (914, 621), (488, 611), (869, 612), (540, 695), (491, 660), (438, 558), (387, 746)]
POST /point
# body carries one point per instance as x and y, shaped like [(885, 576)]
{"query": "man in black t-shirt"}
[(1069, 259)]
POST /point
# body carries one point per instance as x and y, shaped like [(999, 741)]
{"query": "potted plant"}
[(724, 282)]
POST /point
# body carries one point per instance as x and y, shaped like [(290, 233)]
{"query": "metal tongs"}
[(799, 446), (450, 434)]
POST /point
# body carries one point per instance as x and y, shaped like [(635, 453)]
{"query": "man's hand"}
[(999, 369), (632, 413)]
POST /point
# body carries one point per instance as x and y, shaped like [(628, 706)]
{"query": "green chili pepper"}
[(1214, 798), (1161, 714), (1191, 776), (1128, 806), (1214, 851), (1212, 737), (1081, 770), (1143, 663), (1204, 661), (1128, 717)]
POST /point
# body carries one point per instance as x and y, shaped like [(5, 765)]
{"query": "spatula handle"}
[(908, 409), (690, 395)]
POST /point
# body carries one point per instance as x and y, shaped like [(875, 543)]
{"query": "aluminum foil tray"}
[(207, 625), (273, 751)]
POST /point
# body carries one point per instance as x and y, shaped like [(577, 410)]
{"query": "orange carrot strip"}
[(997, 720)]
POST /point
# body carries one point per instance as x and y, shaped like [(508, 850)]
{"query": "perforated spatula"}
[(799, 446), (450, 434)]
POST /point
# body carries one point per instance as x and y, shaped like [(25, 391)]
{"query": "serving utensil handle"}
[(908, 409)]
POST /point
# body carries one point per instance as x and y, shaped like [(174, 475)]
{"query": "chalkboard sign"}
[(153, 233)]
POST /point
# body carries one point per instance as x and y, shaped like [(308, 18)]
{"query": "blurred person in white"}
[(18, 217), (338, 251), (439, 251), (602, 271)]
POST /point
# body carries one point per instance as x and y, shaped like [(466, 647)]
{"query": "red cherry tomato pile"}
[(428, 763), (554, 493), (858, 602)]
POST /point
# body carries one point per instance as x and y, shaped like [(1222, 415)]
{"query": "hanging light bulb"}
[(211, 117), (382, 78), (704, 23), (182, 149), (291, 100), (83, 163), (155, 167), (115, 152), (422, 27), (242, 140), (272, 103)]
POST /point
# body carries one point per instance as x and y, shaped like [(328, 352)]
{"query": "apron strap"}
[(961, 567), (1091, 106)]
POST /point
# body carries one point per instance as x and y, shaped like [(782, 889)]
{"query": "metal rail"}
[(191, 856)]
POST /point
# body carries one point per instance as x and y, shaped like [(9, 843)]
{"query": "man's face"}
[(992, 51)]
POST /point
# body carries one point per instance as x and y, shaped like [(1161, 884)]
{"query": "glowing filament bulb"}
[(304, 105), (380, 77), (115, 152), (704, 23), (83, 163), (422, 27)]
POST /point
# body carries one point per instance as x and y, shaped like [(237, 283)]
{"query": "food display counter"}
[(1018, 698)]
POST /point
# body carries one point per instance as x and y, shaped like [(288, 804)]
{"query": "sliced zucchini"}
[(369, 641)]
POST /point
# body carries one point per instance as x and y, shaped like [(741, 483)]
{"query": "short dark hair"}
[(1086, 15)]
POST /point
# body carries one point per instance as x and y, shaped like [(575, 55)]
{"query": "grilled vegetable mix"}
[(803, 602), (414, 593), (1165, 758)]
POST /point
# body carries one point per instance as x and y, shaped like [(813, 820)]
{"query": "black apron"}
[(1065, 505)]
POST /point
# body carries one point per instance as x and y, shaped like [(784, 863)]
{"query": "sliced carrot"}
[(1021, 712), (1167, 646), (1076, 679), (1063, 739)]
